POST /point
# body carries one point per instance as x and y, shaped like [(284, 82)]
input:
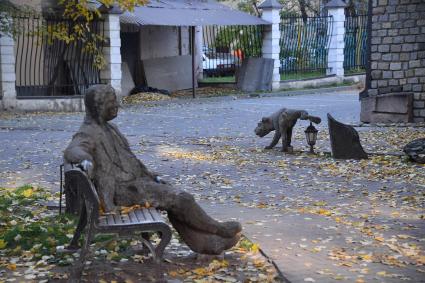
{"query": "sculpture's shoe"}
[(215, 245), (229, 229)]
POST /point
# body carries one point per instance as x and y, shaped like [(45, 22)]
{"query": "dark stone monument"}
[(123, 180), (282, 122), (345, 141), (255, 74), (416, 150)]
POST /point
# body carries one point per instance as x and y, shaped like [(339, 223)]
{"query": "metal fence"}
[(225, 47), (46, 66), (355, 54), (304, 45)]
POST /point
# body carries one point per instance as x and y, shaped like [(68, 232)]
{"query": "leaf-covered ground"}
[(319, 219), (33, 241)]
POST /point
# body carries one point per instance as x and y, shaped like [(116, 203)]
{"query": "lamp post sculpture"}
[(311, 136)]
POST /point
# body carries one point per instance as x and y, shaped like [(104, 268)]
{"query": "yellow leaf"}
[(27, 193), (255, 248), (3, 244), (379, 239), (173, 273), (11, 266)]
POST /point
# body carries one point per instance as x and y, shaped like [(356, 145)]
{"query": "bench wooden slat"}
[(133, 217), (111, 220), (117, 218), (142, 215), (126, 218), (156, 215)]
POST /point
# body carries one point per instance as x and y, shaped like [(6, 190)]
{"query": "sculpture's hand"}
[(87, 166), (159, 180)]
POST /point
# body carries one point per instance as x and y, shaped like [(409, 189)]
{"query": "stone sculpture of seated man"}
[(123, 180)]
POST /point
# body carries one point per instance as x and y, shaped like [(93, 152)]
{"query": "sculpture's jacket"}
[(115, 166)]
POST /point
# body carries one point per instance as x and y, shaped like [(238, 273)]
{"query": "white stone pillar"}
[(336, 46), (271, 37), (7, 72), (112, 74)]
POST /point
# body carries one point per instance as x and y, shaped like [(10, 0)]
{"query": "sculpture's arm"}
[(81, 148), (275, 140), (304, 116)]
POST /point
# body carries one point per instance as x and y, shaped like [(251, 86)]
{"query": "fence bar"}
[(225, 47), (355, 44), (46, 66), (304, 46)]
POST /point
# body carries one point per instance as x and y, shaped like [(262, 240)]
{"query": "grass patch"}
[(301, 76), (228, 79)]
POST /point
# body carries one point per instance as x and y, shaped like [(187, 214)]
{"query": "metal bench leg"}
[(79, 267), (151, 249), (82, 222), (165, 235)]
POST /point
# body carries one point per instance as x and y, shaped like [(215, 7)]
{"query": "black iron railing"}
[(355, 44), (304, 45), (48, 66), (225, 47)]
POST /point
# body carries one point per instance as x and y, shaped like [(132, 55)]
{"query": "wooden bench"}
[(145, 220)]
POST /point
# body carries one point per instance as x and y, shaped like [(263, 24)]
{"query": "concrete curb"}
[(307, 91)]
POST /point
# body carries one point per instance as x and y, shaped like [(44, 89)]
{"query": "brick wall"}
[(398, 51)]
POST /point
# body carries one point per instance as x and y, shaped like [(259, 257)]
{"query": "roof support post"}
[(192, 50), (271, 37)]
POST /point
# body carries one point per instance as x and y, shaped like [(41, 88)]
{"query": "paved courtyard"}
[(319, 219)]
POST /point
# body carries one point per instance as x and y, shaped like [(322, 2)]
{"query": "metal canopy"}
[(188, 13)]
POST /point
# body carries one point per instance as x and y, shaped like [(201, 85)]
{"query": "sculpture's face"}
[(264, 127), (109, 109)]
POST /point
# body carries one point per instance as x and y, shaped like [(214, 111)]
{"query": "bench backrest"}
[(81, 185)]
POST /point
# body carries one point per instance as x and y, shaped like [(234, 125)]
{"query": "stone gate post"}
[(7, 71), (112, 73), (271, 37), (336, 46)]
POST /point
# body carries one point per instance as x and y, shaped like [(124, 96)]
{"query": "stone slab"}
[(170, 73), (345, 141), (127, 83), (387, 108), (255, 74)]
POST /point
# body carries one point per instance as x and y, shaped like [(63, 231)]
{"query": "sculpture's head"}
[(264, 127), (101, 103)]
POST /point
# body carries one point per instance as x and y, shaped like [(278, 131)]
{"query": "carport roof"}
[(188, 13)]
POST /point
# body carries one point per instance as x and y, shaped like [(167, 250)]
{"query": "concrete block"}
[(7, 59), (395, 66), (6, 41), (7, 50), (170, 73), (418, 104), (8, 77), (400, 103), (255, 74)]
